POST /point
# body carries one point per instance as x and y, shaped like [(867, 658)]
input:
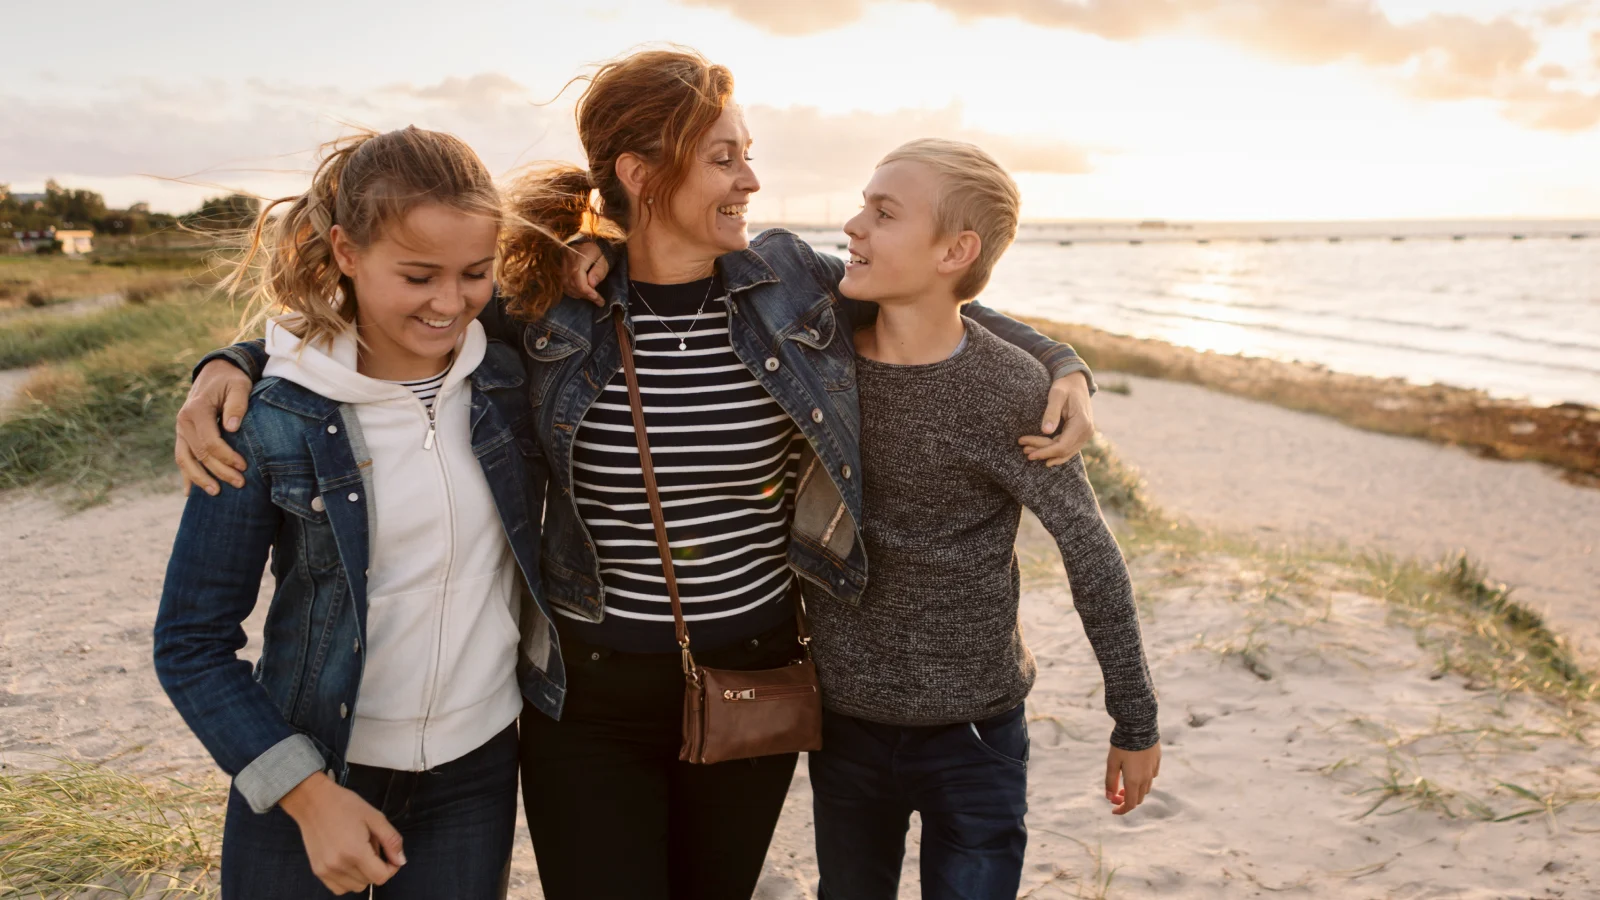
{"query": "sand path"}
[(1280, 474), (1264, 781)]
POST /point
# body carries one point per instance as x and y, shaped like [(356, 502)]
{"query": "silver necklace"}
[(683, 339)]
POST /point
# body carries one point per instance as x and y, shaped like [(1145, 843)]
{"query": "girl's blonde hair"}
[(365, 183), (655, 104)]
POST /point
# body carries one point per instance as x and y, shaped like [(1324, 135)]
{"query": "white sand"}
[(1263, 784), (1282, 475)]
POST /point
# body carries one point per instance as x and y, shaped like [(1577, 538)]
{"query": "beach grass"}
[(34, 337), (103, 416), (78, 828), (33, 282)]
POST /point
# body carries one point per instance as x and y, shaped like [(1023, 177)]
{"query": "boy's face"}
[(896, 251)]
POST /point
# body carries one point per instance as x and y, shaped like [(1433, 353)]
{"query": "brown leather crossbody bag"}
[(727, 713)]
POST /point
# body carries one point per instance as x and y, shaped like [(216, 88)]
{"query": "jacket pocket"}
[(830, 352), (547, 350), (297, 494)]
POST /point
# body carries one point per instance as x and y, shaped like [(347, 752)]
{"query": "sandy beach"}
[(1313, 747)]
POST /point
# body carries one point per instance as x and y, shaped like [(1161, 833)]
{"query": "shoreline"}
[(1566, 435)]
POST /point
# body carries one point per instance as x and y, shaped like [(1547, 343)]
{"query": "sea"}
[(1509, 307)]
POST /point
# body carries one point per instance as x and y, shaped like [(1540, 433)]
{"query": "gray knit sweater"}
[(935, 639)]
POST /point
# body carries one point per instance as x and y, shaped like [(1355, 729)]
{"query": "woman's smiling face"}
[(708, 208)]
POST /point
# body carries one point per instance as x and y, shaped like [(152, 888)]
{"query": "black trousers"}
[(614, 815)]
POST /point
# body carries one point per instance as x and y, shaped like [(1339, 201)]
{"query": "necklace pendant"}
[(682, 345)]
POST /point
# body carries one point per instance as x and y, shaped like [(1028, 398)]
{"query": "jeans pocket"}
[(1004, 736)]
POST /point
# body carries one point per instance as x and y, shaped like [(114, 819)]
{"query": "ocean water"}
[(1511, 308)]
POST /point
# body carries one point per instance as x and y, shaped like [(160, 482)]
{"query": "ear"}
[(633, 172), (960, 253), (344, 251)]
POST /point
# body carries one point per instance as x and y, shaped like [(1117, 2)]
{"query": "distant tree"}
[(74, 208), (233, 212)]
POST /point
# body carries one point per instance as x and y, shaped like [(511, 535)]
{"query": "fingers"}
[(1060, 450), (1113, 777), (388, 838), (235, 400), (587, 270), (1054, 406), (194, 473)]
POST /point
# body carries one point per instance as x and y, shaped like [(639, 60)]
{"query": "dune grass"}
[(27, 339), (32, 282), (104, 417), (78, 828)]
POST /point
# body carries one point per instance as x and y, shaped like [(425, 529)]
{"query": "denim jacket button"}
[(816, 416), (814, 334), (355, 646), (541, 343), (772, 364), (317, 505), (846, 471), (333, 429), (344, 711), (354, 497)]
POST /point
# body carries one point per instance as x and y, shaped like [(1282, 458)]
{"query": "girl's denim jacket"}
[(305, 500)]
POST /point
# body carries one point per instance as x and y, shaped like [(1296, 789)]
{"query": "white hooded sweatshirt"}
[(440, 673)]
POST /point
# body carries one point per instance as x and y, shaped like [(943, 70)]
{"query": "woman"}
[(745, 363)]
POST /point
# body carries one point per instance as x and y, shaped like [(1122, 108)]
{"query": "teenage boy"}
[(924, 680)]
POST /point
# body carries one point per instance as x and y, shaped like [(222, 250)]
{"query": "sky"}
[(1103, 109)]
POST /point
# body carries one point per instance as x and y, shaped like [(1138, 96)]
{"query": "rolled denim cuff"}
[(1067, 365), (277, 772), (240, 358)]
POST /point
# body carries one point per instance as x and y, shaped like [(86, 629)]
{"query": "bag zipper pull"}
[(746, 694)]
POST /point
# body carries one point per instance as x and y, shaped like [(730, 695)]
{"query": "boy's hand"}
[(221, 391), (1068, 410), (351, 845), (1135, 770), (586, 267)]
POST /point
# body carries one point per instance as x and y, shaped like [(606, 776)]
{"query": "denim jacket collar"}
[(741, 270)]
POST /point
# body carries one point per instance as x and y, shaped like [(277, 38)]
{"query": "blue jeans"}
[(969, 782), (458, 821)]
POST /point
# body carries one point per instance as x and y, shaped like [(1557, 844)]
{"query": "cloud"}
[(1439, 56), (256, 135), (260, 135), (800, 150)]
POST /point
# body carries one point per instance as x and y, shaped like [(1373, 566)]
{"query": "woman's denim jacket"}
[(305, 499), (791, 329)]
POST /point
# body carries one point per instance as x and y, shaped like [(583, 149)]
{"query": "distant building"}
[(73, 243)]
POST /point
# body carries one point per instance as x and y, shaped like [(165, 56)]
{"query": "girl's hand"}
[(220, 392), (1068, 406), (1136, 770), (586, 267), (351, 845)]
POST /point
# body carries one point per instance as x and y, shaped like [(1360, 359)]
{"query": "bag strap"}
[(648, 469), (658, 518)]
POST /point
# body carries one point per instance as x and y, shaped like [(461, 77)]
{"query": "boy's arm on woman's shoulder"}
[(1102, 592), (213, 580)]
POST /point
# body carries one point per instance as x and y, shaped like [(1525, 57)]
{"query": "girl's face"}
[(417, 287), (708, 209)]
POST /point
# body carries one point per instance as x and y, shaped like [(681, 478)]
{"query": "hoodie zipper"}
[(449, 565)]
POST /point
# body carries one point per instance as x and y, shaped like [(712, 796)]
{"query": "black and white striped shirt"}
[(426, 389), (725, 457)]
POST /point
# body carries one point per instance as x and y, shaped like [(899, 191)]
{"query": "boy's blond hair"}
[(975, 194)]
